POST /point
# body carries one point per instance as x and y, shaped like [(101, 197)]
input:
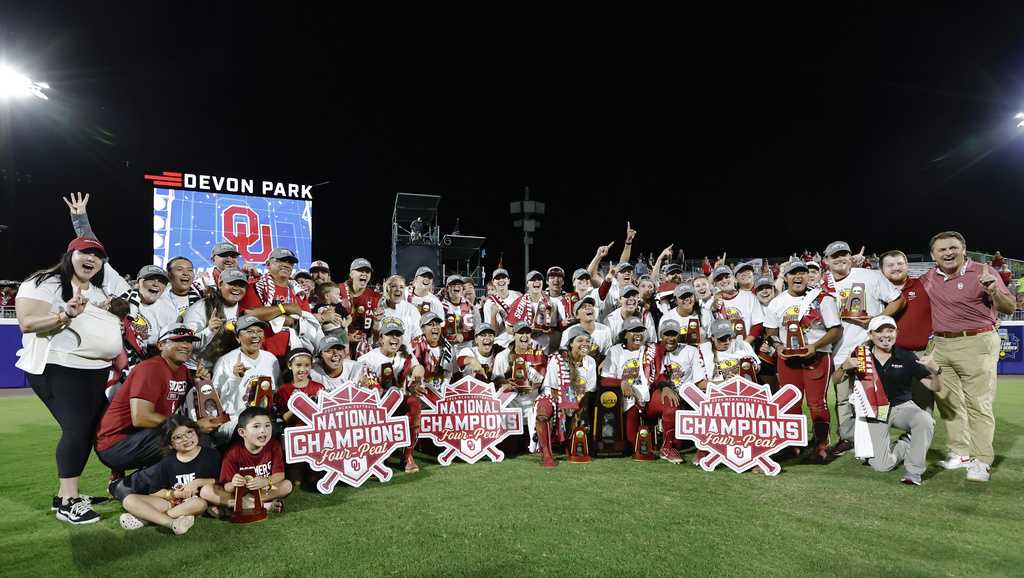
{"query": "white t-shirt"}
[(744, 305), (371, 362), (431, 301), (231, 389), (615, 325), (587, 373), (466, 353), (878, 292), (410, 317), (738, 352), (785, 304), (501, 368), (683, 365), (318, 374), (703, 316), (197, 321), (503, 338), (621, 361), (179, 302), (66, 341), (600, 337)]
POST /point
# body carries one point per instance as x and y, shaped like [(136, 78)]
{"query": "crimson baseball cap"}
[(85, 244)]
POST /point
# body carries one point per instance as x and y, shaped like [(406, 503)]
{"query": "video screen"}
[(189, 223)]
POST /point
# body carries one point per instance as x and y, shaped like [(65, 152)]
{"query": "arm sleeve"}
[(771, 318), (82, 226), (277, 455), (829, 312), (228, 468)]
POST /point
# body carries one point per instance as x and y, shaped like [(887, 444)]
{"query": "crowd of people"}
[(180, 382)]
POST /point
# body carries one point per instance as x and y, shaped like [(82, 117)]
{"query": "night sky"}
[(756, 134)]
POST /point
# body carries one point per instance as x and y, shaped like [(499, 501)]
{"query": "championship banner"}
[(741, 424), (469, 420), (348, 434)]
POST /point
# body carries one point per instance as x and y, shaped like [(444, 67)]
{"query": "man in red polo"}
[(965, 297), (914, 323)]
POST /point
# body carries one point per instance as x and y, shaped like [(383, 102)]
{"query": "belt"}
[(968, 333)]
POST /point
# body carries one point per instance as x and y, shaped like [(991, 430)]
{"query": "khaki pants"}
[(969, 389), (910, 418)]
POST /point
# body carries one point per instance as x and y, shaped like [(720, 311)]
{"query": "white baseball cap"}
[(880, 321)]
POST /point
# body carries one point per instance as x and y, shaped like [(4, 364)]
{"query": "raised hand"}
[(630, 233), (858, 259), (76, 305), (721, 260), (603, 250), (215, 323), (77, 202), (988, 279), (666, 252), (238, 369)]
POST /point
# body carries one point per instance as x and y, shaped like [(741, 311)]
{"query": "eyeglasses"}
[(177, 438)]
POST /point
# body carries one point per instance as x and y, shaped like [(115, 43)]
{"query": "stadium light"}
[(14, 84), (1020, 119)]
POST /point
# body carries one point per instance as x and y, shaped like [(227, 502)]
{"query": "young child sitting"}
[(167, 493), (256, 463)]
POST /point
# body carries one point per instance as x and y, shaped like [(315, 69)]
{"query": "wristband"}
[(280, 307)]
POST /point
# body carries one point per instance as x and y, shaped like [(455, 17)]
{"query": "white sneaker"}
[(978, 471), (955, 462), (130, 522)]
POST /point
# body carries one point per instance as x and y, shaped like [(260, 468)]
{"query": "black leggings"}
[(76, 399)]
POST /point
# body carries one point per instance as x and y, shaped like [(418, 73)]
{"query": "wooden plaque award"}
[(643, 449), (208, 402), (692, 335), (739, 327), (579, 448), (261, 391), (520, 372), (387, 376), (542, 320), (451, 326), (854, 306), (244, 515), (747, 370), (795, 343)]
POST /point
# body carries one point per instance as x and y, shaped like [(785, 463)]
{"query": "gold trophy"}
[(854, 306), (795, 343)]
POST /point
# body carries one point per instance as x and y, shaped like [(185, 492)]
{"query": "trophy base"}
[(863, 317), (580, 459), (644, 457), (795, 352), (766, 358), (248, 517)]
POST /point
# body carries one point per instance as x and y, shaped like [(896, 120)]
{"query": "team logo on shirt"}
[(741, 424), (791, 312), (141, 326), (349, 433), (468, 420), (911, 295)]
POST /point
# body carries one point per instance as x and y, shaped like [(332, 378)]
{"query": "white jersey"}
[(622, 363), (785, 305), (318, 374), (151, 319), (428, 302), (370, 364), (231, 389), (493, 311), (600, 338), (66, 341), (703, 316), (179, 302), (586, 375), (744, 306), (878, 292), (615, 324), (197, 321), (410, 316), (486, 361), (683, 366), (501, 368), (718, 365)]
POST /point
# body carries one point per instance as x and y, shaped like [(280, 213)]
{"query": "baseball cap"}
[(521, 326), (719, 271), (484, 328), (429, 317), (224, 248), (629, 290), (762, 282), (152, 271), (233, 276), (672, 268), (579, 274), (177, 332), (793, 266), (836, 247), (425, 272), (743, 266), (297, 352), (329, 342), (683, 289), (556, 270), (282, 254), (246, 321), (319, 266), (668, 325), (812, 264), (498, 273), (301, 274), (574, 332), (581, 303), (360, 263), (880, 321), (632, 324), (721, 328), (453, 279), (84, 244), (394, 325), (532, 274), (624, 265)]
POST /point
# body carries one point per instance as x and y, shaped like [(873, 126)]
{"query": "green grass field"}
[(610, 517)]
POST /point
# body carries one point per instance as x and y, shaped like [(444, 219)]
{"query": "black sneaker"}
[(77, 511), (841, 447), (93, 500)]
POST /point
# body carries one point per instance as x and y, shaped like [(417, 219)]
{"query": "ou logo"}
[(241, 226)]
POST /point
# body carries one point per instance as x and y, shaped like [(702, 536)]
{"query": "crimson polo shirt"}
[(959, 301), (914, 323)]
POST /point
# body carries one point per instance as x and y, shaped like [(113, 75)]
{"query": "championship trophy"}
[(208, 403), (609, 430), (243, 515), (747, 370), (387, 376), (739, 327), (692, 335), (769, 355), (542, 320), (451, 326), (854, 306), (520, 372), (643, 449), (579, 449), (261, 392), (795, 344)]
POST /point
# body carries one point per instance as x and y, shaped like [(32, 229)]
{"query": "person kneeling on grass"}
[(167, 493), (898, 368), (256, 463)]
